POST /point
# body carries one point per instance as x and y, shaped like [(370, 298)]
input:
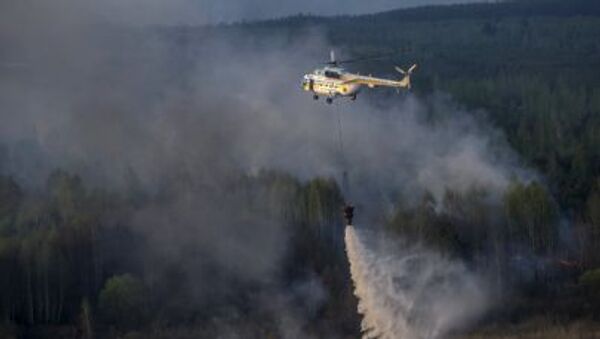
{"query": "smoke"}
[(181, 112), (110, 100), (195, 12), (255, 9), (408, 292)]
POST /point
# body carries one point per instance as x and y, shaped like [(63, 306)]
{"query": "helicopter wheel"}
[(315, 97), (329, 100), (353, 97)]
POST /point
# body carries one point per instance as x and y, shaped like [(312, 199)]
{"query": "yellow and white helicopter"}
[(333, 81)]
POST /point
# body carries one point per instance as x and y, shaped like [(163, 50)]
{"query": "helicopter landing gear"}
[(315, 97), (329, 100)]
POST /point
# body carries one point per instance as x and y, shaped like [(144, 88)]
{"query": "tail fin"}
[(405, 82)]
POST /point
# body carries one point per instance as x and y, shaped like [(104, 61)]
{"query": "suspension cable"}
[(341, 138), (345, 182)]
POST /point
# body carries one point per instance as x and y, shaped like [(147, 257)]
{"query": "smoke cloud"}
[(194, 12), (112, 103)]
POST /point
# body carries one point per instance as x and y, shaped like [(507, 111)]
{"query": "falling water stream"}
[(410, 293)]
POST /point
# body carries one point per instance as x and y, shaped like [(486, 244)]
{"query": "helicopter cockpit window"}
[(333, 75)]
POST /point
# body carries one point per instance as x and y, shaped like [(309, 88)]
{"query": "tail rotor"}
[(405, 82)]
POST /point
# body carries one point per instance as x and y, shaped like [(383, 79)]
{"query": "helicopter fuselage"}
[(330, 83)]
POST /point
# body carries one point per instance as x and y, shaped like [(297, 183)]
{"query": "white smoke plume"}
[(113, 103), (410, 293)]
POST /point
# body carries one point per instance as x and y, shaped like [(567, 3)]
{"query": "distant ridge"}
[(509, 8), (483, 10)]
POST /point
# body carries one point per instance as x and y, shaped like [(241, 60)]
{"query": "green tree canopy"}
[(532, 216), (122, 301)]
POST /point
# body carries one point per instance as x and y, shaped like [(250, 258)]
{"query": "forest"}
[(74, 263)]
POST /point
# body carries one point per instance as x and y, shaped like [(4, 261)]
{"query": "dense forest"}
[(531, 67), (74, 264), (69, 257)]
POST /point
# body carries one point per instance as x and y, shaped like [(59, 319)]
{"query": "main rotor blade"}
[(334, 62), (367, 58)]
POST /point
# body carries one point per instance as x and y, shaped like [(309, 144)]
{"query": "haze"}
[(214, 11)]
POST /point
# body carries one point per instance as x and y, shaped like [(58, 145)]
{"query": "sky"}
[(214, 11)]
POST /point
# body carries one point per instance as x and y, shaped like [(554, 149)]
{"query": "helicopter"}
[(333, 81)]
